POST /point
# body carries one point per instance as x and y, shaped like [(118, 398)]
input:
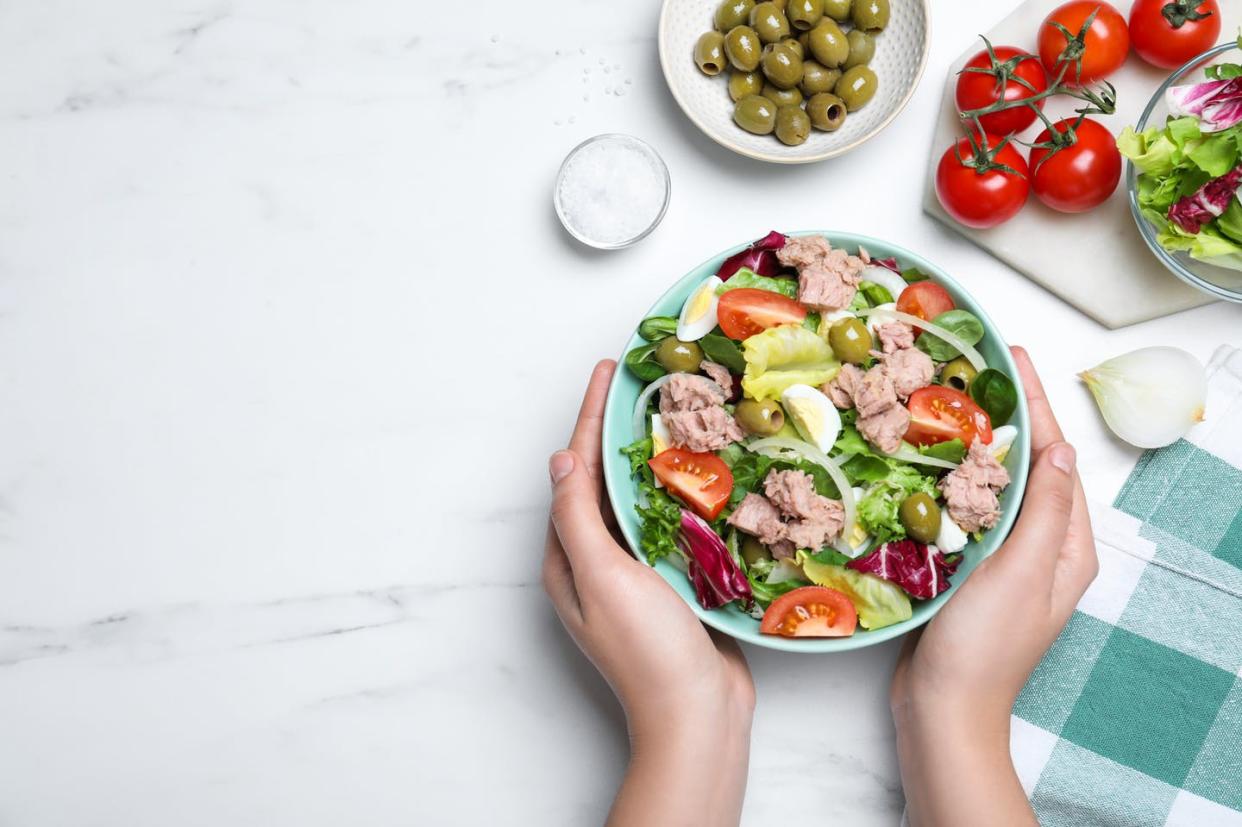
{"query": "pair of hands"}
[(688, 694)]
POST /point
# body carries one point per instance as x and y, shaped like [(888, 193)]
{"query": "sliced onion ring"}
[(910, 454), (886, 278), (975, 358), (773, 446), (640, 407)]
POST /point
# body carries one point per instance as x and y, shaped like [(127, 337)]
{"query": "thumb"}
[(576, 512), (1037, 539)]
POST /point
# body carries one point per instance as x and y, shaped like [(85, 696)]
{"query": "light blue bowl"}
[(622, 490)]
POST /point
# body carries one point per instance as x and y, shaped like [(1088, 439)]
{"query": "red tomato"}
[(1168, 33), (746, 311), (1102, 50), (1081, 176), (977, 194), (939, 414), (810, 611), (702, 481), (925, 299), (976, 90)]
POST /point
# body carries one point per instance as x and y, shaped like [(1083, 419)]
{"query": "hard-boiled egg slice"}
[(1002, 440), (698, 314), (818, 421), (660, 440), (950, 539), (876, 319)]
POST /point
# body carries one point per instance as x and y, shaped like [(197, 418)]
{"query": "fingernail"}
[(559, 466), (1062, 457)]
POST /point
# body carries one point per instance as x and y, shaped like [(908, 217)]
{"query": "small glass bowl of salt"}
[(612, 191)]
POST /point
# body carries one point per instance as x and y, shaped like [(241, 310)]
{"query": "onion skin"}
[(1149, 397)]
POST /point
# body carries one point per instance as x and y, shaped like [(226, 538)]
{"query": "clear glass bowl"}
[(1220, 282)]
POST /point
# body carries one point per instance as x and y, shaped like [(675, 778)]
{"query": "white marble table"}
[(288, 329)]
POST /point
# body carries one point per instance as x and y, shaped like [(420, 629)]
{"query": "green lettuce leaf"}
[(879, 603), (878, 509), (783, 356), (749, 278)]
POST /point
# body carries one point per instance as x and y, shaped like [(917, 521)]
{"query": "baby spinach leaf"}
[(642, 363), (724, 351), (657, 327), (961, 323), (996, 394)]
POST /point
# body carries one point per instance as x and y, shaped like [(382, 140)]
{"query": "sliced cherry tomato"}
[(1097, 55), (1024, 78), (1168, 33), (810, 611), (939, 414), (702, 481), (925, 299), (1080, 176), (746, 311), (980, 194)]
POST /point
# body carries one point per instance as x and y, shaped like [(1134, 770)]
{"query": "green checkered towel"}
[(1134, 717)]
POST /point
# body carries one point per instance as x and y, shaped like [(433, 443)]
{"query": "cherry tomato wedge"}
[(1167, 33), (810, 611), (1101, 51), (746, 311), (702, 481), (925, 299), (939, 414), (978, 90)]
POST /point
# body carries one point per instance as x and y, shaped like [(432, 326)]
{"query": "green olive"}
[(781, 97), (804, 40), (921, 517), (762, 418), (753, 551), (827, 111), (756, 114), (781, 4), (804, 14), (742, 84), (838, 10), (828, 44), (870, 15), (958, 374), (743, 48), (850, 339), (816, 78), (794, 45), (856, 87), (782, 66), (676, 356), (770, 22), (731, 13), (709, 53), (862, 48), (793, 126)]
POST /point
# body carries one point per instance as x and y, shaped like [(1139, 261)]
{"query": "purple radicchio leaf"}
[(1217, 103), (918, 569), (1208, 202), (888, 263), (716, 576), (759, 257)]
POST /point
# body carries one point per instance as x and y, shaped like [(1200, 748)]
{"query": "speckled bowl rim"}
[(617, 432), (780, 159)]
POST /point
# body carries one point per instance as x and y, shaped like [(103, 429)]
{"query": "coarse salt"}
[(611, 191)]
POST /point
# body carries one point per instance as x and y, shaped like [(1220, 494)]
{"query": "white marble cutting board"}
[(1096, 261)]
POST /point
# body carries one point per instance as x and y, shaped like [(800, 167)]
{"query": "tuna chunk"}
[(875, 393), (895, 336), (970, 490), (827, 278), (816, 532), (885, 429), (759, 518), (793, 492), (783, 550), (910, 369), (705, 429), (718, 374), (816, 520), (687, 392), (841, 389)]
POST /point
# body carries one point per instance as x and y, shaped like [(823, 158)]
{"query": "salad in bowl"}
[(813, 438)]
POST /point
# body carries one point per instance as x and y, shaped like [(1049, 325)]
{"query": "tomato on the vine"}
[(1167, 33), (1083, 173), (981, 191), (1007, 74), (1085, 53)]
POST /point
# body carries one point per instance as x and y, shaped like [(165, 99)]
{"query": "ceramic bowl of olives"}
[(792, 81)]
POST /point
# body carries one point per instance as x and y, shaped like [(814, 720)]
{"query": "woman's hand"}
[(687, 694), (955, 685)]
